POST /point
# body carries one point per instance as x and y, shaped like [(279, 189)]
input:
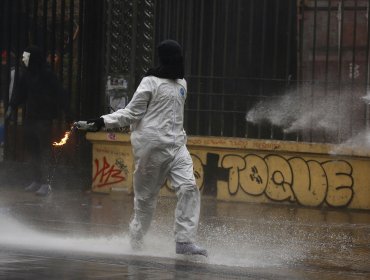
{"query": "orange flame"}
[(63, 140)]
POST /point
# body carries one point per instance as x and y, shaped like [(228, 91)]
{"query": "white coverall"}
[(156, 114)]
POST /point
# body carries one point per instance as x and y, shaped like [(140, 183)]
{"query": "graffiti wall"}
[(257, 171), (274, 177), (282, 172), (112, 164)]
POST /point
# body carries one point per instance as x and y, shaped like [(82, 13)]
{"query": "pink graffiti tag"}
[(107, 174)]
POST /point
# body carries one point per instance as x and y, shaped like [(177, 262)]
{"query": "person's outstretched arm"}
[(136, 108)]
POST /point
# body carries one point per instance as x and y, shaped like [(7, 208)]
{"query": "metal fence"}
[(267, 69), (237, 54), (333, 67), (52, 25), (273, 69), (71, 39)]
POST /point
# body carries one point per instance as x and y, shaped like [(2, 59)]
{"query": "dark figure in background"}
[(7, 74), (6, 85), (43, 98)]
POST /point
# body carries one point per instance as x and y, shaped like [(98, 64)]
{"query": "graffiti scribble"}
[(107, 174), (306, 182)]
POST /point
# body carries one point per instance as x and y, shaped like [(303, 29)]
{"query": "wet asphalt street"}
[(76, 234)]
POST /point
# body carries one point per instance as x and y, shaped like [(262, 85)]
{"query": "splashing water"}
[(225, 246), (272, 111), (301, 111), (332, 115), (366, 98), (18, 235), (359, 142)]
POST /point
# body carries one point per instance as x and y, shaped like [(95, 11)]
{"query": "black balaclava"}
[(171, 61), (37, 61)]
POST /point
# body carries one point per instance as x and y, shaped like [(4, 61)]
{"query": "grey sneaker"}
[(188, 248), (44, 190), (32, 187)]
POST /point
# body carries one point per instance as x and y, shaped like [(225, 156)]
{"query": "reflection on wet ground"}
[(80, 235)]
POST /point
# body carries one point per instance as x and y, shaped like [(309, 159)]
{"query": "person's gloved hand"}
[(97, 123)]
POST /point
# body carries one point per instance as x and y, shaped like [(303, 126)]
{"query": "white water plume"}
[(366, 98), (278, 111), (225, 246), (16, 234), (361, 141), (305, 110)]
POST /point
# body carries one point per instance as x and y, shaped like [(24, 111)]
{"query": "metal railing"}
[(237, 53), (70, 34), (293, 70), (266, 69)]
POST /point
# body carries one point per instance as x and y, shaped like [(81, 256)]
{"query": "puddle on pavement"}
[(252, 237), (225, 248)]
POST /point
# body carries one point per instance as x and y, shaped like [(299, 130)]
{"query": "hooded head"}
[(33, 59), (171, 61)]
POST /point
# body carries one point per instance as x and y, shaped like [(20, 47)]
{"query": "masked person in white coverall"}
[(156, 114)]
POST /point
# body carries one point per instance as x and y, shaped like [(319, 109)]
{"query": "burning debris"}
[(63, 140), (80, 125)]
